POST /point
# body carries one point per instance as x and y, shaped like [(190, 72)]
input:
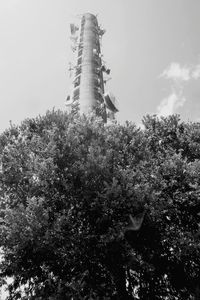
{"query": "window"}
[(77, 81), (79, 61), (76, 94), (78, 70), (80, 52)]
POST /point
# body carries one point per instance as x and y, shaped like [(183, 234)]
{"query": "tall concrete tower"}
[(89, 71)]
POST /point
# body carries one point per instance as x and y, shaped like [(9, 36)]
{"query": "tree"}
[(71, 185)]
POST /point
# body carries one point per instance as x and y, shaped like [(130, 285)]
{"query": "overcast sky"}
[(151, 46)]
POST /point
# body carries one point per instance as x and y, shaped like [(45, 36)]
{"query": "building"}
[(89, 71)]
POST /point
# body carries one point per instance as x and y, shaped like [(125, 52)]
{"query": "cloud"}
[(196, 72), (178, 76), (176, 72), (169, 104)]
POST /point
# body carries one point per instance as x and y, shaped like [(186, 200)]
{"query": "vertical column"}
[(88, 82), (88, 41)]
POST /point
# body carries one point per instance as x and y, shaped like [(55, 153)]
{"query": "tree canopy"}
[(71, 188)]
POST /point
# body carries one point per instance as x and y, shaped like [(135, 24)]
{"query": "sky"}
[(151, 46)]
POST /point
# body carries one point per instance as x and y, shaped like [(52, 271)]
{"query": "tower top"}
[(89, 15)]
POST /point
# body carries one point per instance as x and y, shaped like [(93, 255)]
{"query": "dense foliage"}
[(68, 186)]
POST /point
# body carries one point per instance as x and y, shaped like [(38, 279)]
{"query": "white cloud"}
[(176, 72), (169, 105), (178, 75), (196, 72)]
